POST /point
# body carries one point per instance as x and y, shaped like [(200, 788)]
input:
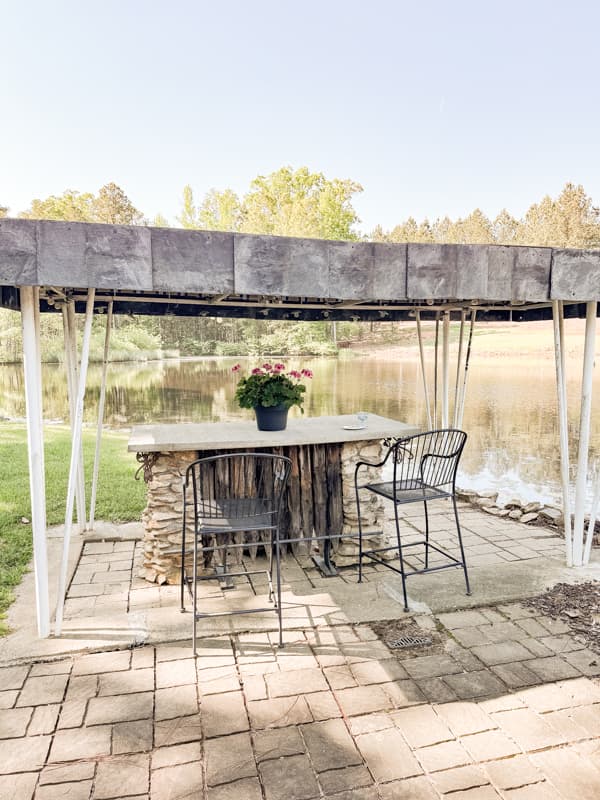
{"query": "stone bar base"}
[(162, 517)]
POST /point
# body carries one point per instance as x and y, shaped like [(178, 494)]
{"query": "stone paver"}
[(229, 758), (421, 726), (529, 730), (18, 787), (277, 743), (181, 782), (121, 776), (14, 722), (247, 788), (489, 745), (81, 743), (505, 705), (330, 745), (119, 708), (363, 699), (223, 714), (178, 701), (387, 755), (279, 712), (42, 690), (290, 778)]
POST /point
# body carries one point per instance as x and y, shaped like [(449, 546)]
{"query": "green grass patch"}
[(120, 498)]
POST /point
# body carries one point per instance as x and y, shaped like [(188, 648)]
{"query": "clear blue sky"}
[(434, 107)]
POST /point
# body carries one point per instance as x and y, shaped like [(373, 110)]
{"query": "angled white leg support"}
[(584, 432), (35, 447), (463, 391), (423, 373), (101, 415), (445, 368), (458, 366), (75, 451), (561, 386), (435, 370), (592, 523), (70, 340)]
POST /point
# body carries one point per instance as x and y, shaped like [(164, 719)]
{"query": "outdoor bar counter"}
[(319, 500)]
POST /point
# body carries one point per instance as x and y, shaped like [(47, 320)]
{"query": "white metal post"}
[(435, 370), (74, 369), (463, 391), (445, 368), (458, 366), (423, 373), (75, 450), (35, 447), (561, 387), (592, 523), (101, 403), (584, 431)]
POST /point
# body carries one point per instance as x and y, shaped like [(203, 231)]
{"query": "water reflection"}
[(510, 412)]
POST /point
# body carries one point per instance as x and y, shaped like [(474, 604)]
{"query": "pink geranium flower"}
[(270, 385)]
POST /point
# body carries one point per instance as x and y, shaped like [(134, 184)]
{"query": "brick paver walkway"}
[(504, 704), (106, 579)]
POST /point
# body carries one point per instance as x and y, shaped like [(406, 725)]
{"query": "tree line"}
[(302, 203), (289, 203)]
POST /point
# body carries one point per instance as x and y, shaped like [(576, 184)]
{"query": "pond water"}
[(510, 412)]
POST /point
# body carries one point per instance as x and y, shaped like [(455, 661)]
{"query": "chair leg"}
[(271, 576), (402, 571), (460, 542), (278, 577), (360, 547), (426, 535), (195, 594), (182, 575)]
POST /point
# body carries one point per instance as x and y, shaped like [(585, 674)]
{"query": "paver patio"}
[(504, 703)]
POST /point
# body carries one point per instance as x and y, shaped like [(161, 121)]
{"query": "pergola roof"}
[(187, 272)]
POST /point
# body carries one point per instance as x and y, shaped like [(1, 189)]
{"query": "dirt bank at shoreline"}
[(526, 340)]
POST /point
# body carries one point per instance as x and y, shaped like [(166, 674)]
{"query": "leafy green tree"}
[(189, 214), (160, 221), (300, 203), (3, 211), (474, 229), (569, 221), (112, 206), (444, 231), (412, 231), (505, 228), (71, 206), (221, 211)]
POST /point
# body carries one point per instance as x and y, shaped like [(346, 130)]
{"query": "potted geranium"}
[(271, 392)]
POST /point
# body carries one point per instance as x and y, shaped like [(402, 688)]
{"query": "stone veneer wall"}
[(162, 516)]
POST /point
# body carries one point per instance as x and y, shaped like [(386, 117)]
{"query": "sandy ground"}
[(518, 339)]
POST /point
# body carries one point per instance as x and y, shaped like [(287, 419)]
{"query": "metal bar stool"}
[(424, 469), (232, 502)]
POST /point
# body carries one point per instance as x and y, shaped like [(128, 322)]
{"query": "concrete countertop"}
[(241, 435)]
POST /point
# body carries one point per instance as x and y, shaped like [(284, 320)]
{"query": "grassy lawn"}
[(120, 498)]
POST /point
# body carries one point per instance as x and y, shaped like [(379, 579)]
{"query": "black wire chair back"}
[(243, 490), (427, 463)]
